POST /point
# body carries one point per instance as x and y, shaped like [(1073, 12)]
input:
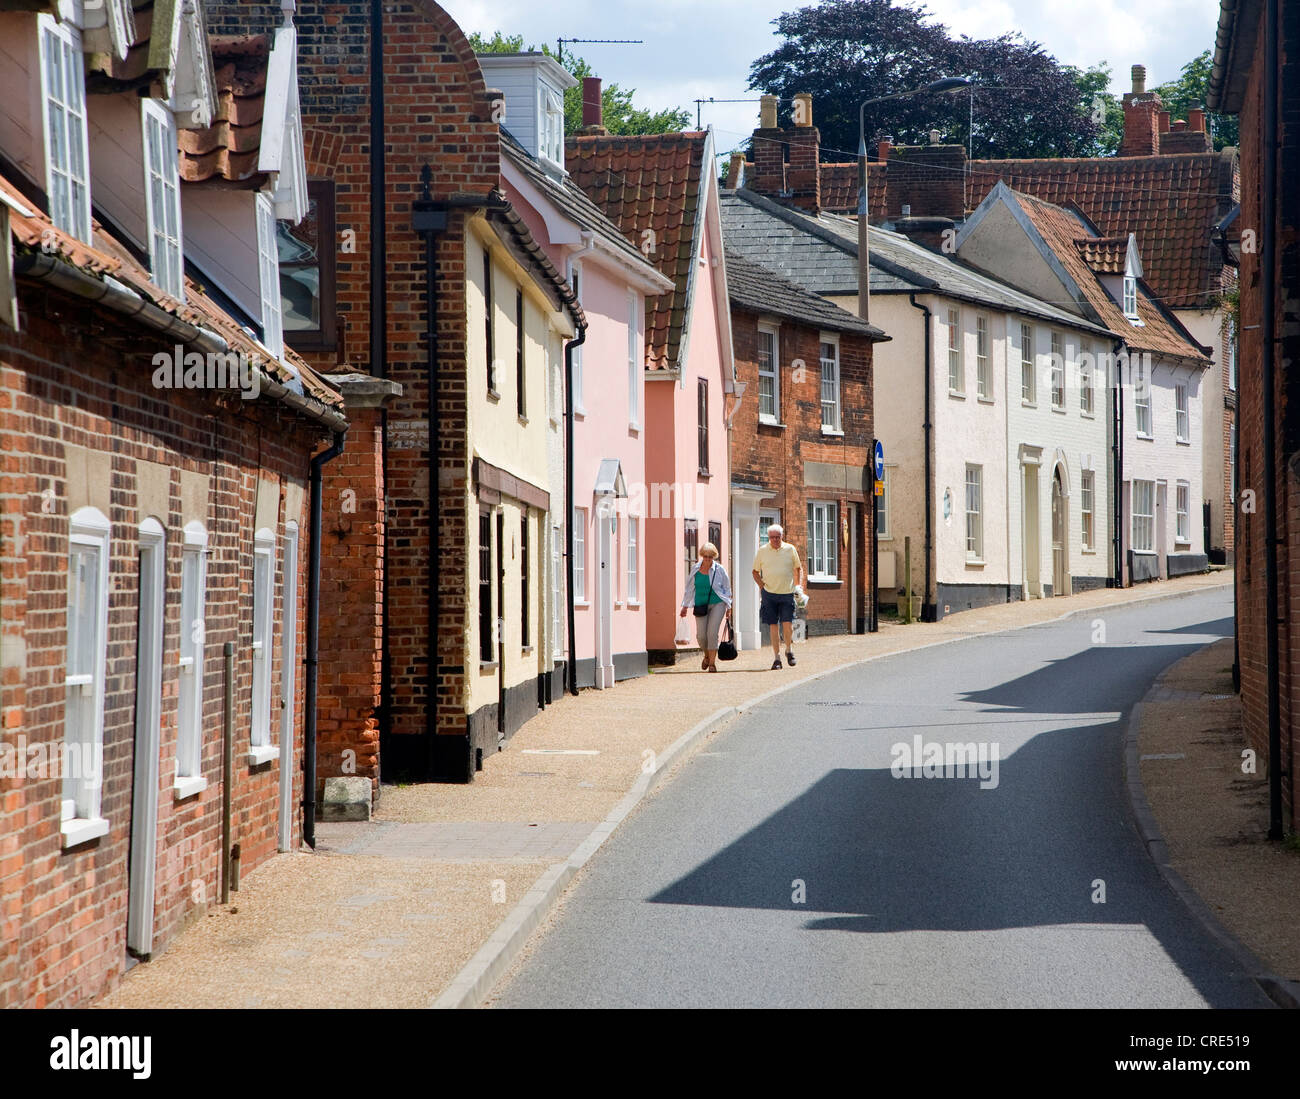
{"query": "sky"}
[(703, 48)]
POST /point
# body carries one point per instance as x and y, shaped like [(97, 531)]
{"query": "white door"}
[(1162, 539), (288, 680), (148, 712), (1032, 550), (605, 520)]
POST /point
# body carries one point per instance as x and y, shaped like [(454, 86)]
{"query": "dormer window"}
[(162, 198), (63, 106), (268, 263), (1130, 297), (552, 126)]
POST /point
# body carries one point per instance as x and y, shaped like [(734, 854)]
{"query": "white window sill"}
[(1148, 438), (1184, 544), (618, 604), (1087, 415), (1183, 442), (832, 431), (956, 395), (985, 400), (188, 787), (1028, 404), (884, 537), (825, 580), (634, 429), (527, 650), (579, 413), (581, 603), (487, 666), (263, 753), (975, 563), (1059, 409), (1143, 553), (1088, 552), (634, 603), (767, 421), (83, 830)]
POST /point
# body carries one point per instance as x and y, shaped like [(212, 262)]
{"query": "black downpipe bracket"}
[(313, 644), (1268, 333), (571, 667), (927, 428)]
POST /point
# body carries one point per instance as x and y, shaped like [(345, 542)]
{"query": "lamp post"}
[(947, 84)]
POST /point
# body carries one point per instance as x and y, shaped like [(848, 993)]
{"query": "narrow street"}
[(786, 866)]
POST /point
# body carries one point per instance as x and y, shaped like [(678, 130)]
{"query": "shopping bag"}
[(685, 634)]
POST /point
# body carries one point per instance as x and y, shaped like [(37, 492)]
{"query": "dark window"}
[(523, 578), (486, 650), (489, 323), (691, 543), (715, 536), (307, 275), (519, 352), (704, 426)]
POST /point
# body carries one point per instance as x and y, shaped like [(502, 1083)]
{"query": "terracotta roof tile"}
[(228, 149), (649, 186), (1105, 255), (1170, 202), (1062, 230)]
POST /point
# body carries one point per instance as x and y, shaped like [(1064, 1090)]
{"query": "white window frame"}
[(557, 591), (1088, 510), (262, 749), (1028, 366), (772, 374), (983, 375), (1183, 513), (1130, 297), (1141, 404), (1142, 517), (882, 508), (633, 561), (1182, 415), (1086, 396), (1232, 356), (268, 265), (975, 513), (1058, 372), (550, 122), (635, 372), (162, 198), (956, 355), (67, 182), (580, 557), (823, 541), (80, 819), (830, 384), (193, 631)]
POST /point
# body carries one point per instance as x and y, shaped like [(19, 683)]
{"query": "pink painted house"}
[(662, 192), (616, 286)]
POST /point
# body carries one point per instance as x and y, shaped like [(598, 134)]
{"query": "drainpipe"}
[(571, 669), (313, 644), (1268, 332), (927, 427), (1117, 458)]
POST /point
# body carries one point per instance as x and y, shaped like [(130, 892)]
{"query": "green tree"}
[(621, 114), (1103, 108), (1190, 90)]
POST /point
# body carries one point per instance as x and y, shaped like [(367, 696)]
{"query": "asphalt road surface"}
[(787, 864)]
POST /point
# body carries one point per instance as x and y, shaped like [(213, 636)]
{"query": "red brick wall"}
[(774, 457), (1251, 531), (64, 382)]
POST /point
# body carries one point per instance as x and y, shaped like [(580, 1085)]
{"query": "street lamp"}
[(947, 84)]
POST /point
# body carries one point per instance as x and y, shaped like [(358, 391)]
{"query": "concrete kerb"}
[(1282, 992), (475, 981)]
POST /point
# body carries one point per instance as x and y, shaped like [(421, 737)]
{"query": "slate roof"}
[(821, 255), (651, 187), (228, 150), (568, 197), (108, 258), (1159, 333), (1169, 202), (756, 288)]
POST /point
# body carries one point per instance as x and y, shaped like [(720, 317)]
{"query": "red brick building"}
[(153, 515), (801, 444), (1257, 77)]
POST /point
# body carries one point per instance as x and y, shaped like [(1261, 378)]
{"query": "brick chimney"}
[(736, 171), (803, 173), (1189, 136), (929, 179), (593, 114), (1141, 118), (769, 152)]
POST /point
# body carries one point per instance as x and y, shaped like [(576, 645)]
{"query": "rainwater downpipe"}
[(313, 644), (1268, 325), (1117, 458), (927, 428), (571, 667)]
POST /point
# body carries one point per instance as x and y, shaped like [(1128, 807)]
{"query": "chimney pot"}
[(1164, 122), (803, 115), (1196, 119), (907, 209), (1139, 79), (1179, 125), (883, 150), (736, 173), (767, 112), (592, 108), (934, 137)]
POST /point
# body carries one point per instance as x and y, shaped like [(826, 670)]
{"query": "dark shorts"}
[(775, 608)]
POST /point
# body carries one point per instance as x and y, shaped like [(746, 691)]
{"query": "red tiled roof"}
[(108, 257), (228, 149), (649, 186), (1105, 255), (1170, 202), (1063, 230), (108, 71)]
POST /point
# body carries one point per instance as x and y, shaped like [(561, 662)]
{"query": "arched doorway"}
[(1060, 537)]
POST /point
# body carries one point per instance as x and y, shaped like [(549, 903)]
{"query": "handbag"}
[(702, 609), (727, 648)]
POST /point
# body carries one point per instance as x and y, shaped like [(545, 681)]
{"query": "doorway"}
[(288, 679), (1060, 527), (606, 517), (1032, 552)]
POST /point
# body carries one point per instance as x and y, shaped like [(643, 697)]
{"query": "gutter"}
[(927, 428)]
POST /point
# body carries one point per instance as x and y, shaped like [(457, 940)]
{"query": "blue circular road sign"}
[(880, 461)]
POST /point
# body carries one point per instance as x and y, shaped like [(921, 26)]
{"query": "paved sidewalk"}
[(1212, 815), (387, 912)]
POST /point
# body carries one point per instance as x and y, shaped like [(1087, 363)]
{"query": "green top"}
[(704, 591)]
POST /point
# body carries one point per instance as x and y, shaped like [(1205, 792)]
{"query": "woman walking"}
[(708, 593)]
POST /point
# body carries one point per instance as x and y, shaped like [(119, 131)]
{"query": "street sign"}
[(880, 461), (880, 488)]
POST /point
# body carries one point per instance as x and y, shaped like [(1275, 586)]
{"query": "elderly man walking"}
[(778, 571)]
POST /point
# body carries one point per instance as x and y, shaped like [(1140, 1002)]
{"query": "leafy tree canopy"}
[(1024, 102), (622, 116), (1101, 106), (1190, 90)]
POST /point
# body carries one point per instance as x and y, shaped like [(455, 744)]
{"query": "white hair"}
[(776, 527)]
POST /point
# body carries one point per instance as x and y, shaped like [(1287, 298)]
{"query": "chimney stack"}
[(1189, 136), (736, 171), (882, 150), (804, 172), (593, 114), (1142, 120), (769, 152), (1196, 119), (925, 182)]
